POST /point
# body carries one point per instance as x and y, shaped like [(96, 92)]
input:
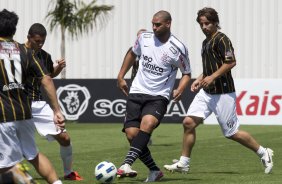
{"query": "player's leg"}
[(43, 120), (131, 129), (40, 162), (227, 118), (11, 154), (44, 167), (198, 110), (14, 176), (152, 114), (63, 139)]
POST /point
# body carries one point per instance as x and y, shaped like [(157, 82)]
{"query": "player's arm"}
[(39, 71), (197, 83), (177, 93), (61, 64), (50, 90), (226, 53), (128, 61), (184, 65)]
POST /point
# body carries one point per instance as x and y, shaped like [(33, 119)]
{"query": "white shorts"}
[(43, 119), (16, 140), (222, 105)]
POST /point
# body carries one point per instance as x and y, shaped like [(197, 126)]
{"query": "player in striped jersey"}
[(161, 55), (16, 126), (216, 96), (41, 111)]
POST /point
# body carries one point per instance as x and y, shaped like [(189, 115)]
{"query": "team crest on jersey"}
[(229, 55), (73, 100), (165, 58)]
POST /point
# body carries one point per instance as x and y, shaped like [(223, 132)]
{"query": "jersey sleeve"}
[(183, 62), (50, 65), (137, 46), (226, 50), (35, 68)]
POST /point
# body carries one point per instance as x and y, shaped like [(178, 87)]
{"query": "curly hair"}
[(211, 14)]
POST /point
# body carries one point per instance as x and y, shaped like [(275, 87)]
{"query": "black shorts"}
[(139, 105)]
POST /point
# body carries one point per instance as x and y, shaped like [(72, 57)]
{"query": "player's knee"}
[(131, 133), (188, 123), (63, 139)]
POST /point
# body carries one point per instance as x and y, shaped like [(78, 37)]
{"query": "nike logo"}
[(146, 46), (158, 113), (269, 159), (178, 167)]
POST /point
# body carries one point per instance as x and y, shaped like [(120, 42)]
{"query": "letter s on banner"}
[(105, 108)]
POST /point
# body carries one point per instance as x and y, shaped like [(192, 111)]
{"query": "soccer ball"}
[(105, 172)]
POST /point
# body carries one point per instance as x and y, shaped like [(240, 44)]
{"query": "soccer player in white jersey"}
[(161, 54), (216, 95)]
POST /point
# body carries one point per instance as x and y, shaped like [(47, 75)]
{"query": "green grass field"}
[(215, 160)]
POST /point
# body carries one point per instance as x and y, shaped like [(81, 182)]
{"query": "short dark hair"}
[(164, 14), (211, 14), (8, 23), (37, 29)]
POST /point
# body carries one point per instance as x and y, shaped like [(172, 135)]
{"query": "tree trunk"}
[(63, 50)]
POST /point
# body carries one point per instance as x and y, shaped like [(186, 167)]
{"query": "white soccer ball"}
[(105, 172)]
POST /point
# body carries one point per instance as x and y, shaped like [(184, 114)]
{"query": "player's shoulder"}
[(45, 52), (221, 36), (147, 35), (177, 45)]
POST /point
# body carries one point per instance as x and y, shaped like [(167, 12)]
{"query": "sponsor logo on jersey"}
[(73, 100), (151, 68), (12, 86), (147, 35)]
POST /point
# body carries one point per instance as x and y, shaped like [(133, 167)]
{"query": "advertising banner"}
[(259, 101), (99, 100)]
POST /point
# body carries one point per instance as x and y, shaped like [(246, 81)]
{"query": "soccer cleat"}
[(154, 176), (126, 171), (177, 167), (26, 175), (267, 160), (73, 176)]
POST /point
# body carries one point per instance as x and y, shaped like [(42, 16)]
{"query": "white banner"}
[(259, 102)]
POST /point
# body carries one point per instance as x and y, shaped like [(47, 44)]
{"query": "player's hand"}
[(59, 120), (176, 95), (196, 85), (207, 81), (122, 85), (61, 63)]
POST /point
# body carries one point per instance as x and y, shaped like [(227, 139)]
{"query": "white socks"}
[(185, 160), (261, 151), (66, 155), (58, 182)]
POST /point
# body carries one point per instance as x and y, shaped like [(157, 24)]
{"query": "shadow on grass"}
[(216, 172), (160, 145), (163, 180)]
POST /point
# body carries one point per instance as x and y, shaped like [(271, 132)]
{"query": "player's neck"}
[(164, 38), (6, 38), (212, 35), (28, 44)]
